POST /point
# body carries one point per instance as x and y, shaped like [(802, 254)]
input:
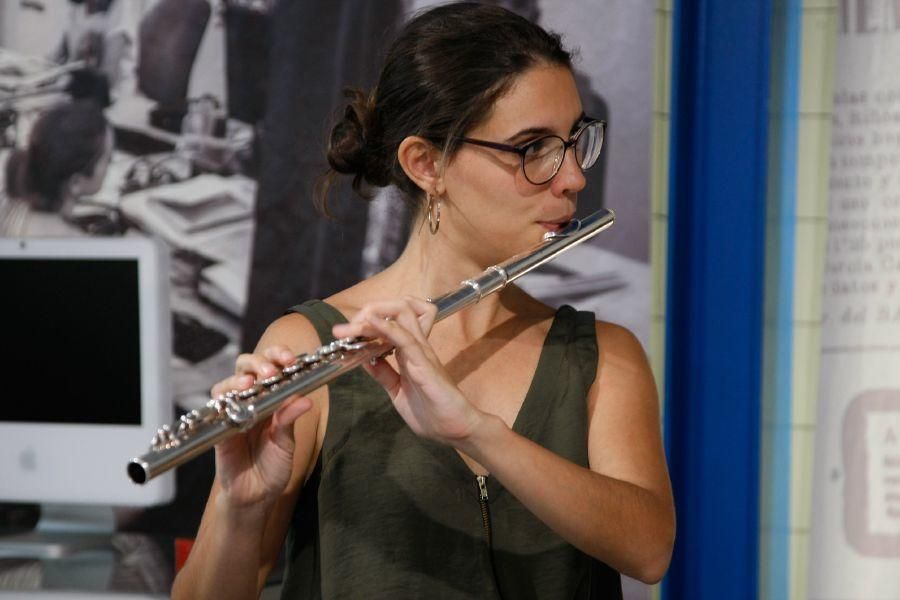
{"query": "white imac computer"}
[(86, 332)]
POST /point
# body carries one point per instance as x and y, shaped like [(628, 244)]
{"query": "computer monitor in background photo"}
[(87, 347)]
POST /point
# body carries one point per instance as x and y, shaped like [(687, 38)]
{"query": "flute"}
[(239, 410)]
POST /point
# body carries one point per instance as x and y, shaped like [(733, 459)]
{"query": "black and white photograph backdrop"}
[(202, 124)]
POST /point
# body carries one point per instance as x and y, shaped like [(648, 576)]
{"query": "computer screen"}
[(86, 332)]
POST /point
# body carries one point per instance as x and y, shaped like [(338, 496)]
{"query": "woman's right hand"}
[(254, 468)]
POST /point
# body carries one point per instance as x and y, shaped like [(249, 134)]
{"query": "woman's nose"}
[(570, 178)]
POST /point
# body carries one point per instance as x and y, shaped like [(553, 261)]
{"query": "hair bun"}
[(350, 146)]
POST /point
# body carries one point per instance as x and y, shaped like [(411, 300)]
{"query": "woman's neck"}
[(432, 265)]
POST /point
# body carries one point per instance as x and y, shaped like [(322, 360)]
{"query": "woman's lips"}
[(554, 225)]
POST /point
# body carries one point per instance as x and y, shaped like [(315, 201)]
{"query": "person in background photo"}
[(66, 158), (102, 34), (511, 450)]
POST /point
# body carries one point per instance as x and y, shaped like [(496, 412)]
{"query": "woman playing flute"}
[(508, 451)]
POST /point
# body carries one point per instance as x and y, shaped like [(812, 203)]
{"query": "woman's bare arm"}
[(239, 541), (620, 510)]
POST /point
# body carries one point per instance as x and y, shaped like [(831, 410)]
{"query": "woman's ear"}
[(421, 162)]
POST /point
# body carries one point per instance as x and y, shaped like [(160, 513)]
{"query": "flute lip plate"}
[(571, 227)]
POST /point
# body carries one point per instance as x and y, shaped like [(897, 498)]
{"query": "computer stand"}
[(62, 531)]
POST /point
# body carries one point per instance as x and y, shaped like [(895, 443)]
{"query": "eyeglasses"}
[(543, 157)]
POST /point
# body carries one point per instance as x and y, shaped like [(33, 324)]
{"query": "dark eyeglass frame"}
[(522, 149)]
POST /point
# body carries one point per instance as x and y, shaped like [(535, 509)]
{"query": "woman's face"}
[(91, 183), (491, 206)]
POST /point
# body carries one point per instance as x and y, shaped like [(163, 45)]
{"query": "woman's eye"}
[(541, 148)]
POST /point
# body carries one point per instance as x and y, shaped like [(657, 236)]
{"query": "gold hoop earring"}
[(434, 214)]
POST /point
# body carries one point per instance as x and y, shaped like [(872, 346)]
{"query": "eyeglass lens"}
[(544, 157), (587, 148)]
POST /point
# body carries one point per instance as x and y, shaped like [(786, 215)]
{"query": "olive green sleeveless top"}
[(387, 514)]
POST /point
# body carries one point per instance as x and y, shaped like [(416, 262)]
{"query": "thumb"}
[(382, 372), (281, 429)]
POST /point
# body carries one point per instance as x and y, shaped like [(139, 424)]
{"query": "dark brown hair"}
[(66, 140), (441, 77)]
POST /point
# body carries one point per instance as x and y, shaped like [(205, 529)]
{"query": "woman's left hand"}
[(420, 388)]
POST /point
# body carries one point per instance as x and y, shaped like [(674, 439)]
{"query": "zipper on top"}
[(483, 503), (481, 480)]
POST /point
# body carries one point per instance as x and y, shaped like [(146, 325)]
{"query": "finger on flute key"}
[(402, 339), (256, 364), (235, 382), (280, 355)]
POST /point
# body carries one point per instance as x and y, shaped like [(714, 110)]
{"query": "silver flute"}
[(239, 410)]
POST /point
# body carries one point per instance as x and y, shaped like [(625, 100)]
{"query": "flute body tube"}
[(239, 410)]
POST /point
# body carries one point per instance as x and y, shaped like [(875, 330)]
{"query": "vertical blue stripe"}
[(785, 103), (715, 293)]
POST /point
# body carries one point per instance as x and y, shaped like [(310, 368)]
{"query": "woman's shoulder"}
[(307, 324), (619, 348), (294, 330), (348, 302), (615, 334)]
